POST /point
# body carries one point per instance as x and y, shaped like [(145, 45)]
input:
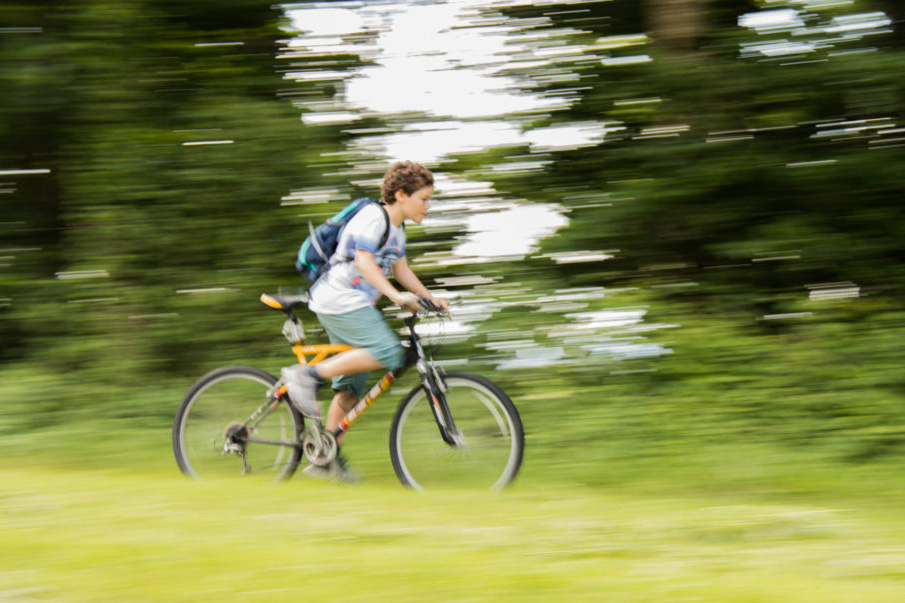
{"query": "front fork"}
[(435, 387)]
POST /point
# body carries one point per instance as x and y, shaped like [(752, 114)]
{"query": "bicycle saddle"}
[(284, 303)]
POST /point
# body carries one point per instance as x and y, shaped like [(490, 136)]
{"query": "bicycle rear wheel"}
[(489, 452), (212, 428)]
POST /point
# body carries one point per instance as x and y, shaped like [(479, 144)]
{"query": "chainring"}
[(320, 450)]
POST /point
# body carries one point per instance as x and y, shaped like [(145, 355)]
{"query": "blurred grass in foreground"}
[(149, 535), (94, 509)]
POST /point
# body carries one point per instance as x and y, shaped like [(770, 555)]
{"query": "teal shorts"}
[(363, 328)]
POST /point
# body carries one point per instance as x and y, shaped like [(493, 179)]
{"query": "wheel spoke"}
[(214, 435)]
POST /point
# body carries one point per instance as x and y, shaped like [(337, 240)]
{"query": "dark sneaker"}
[(338, 470), (302, 389), (344, 473), (318, 471)]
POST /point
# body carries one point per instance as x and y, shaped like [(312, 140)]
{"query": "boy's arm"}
[(408, 279), (371, 272)]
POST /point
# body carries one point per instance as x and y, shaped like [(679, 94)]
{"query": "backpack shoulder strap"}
[(386, 230), (383, 238), (315, 244)]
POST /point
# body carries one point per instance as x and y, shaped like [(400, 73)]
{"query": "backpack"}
[(314, 255)]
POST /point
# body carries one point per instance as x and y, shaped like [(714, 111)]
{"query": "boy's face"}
[(415, 206)]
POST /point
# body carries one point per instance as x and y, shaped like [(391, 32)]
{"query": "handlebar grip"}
[(429, 306)]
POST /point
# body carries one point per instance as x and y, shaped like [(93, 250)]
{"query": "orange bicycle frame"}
[(320, 352)]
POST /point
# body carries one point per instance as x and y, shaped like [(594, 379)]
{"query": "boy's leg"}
[(376, 347), (342, 403), (352, 362), (303, 381)]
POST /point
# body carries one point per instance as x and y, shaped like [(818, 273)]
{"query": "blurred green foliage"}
[(745, 185)]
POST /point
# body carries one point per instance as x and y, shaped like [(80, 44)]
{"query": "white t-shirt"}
[(342, 289)]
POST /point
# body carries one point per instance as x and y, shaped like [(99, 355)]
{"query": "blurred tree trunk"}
[(676, 25), (896, 11)]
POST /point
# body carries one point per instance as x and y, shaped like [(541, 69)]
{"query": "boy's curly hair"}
[(406, 176)]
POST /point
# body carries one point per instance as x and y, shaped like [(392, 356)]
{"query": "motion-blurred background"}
[(673, 229)]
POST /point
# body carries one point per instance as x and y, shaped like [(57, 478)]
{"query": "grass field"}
[(122, 528)]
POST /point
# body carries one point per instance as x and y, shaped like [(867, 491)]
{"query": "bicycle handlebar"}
[(430, 307)]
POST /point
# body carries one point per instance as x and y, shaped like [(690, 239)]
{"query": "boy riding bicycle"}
[(345, 299)]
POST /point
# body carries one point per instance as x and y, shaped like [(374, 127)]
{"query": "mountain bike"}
[(451, 429)]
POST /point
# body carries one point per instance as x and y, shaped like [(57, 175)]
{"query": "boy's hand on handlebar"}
[(407, 301), (443, 303), (437, 305)]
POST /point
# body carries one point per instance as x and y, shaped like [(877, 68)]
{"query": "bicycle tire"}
[(221, 400), (494, 440)]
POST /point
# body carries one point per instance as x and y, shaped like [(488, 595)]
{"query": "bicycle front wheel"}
[(488, 450), (216, 435)]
